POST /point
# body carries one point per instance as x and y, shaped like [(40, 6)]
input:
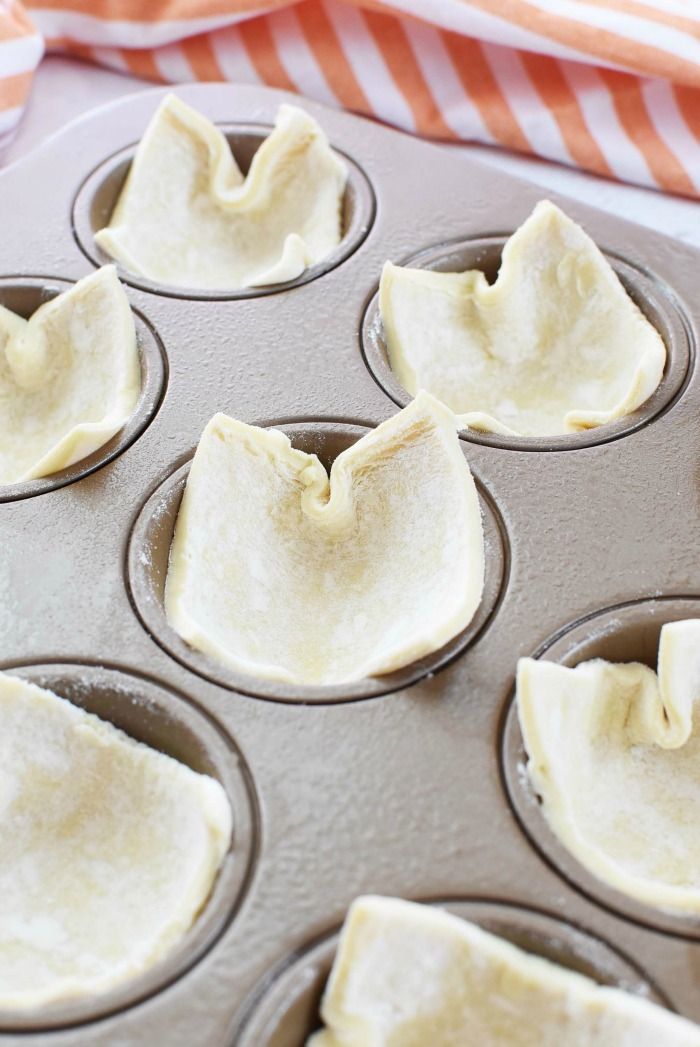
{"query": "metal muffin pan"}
[(406, 793)]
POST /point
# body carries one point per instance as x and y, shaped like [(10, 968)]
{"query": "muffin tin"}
[(410, 785)]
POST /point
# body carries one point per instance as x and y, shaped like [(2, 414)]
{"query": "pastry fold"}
[(614, 753), (187, 217), (554, 346), (70, 377), (110, 849), (409, 975), (281, 571)]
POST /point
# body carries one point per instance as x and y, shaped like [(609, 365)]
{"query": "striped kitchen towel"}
[(612, 86)]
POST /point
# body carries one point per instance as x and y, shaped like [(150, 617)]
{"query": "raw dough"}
[(555, 345), (409, 975), (110, 849), (69, 377), (187, 217), (277, 572), (615, 758)]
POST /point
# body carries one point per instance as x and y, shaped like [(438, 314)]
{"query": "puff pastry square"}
[(409, 975), (70, 377), (280, 571), (554, 346), (615, 756), (109, 851), (187, 217)]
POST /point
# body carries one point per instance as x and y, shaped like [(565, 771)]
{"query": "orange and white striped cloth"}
[(612, 86)]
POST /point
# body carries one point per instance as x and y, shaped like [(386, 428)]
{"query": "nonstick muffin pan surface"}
[(411, 786)]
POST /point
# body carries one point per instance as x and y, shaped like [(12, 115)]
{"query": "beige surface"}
[(110, 849), (555, 345), (408, 975), (615, 757), (187, 217), (281, 571), (69, 377)]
